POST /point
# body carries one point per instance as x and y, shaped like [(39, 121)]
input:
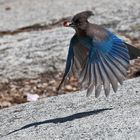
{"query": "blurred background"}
[(34, 43)]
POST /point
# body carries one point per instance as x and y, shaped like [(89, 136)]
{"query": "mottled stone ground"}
[(74, 117)]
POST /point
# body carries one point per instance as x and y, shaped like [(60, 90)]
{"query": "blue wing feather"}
[(110, 54)]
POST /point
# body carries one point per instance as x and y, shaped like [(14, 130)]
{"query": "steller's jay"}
[(97, 57)]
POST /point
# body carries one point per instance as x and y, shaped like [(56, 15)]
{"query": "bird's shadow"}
[(62, 119)]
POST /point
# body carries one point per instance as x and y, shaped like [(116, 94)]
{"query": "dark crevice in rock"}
[(35, 27), (137, 74)]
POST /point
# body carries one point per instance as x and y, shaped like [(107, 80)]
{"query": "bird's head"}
[(79, 21)]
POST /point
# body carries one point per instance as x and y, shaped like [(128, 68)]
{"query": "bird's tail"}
[(133, 51)]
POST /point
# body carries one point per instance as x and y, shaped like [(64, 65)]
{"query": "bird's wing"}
[(69, 61), (76, 57), (106, 64)]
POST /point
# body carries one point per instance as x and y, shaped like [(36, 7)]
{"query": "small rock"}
[(52, 82), (5, 104), (68, 87), (32, 97)]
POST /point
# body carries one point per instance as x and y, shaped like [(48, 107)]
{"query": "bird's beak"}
[(68, 24), (71, 24)]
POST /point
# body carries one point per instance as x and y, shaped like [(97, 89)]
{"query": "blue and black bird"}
[(96, 56)]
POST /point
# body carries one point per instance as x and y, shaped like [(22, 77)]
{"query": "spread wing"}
[(75, 58), (106, 64), (97, 63)]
